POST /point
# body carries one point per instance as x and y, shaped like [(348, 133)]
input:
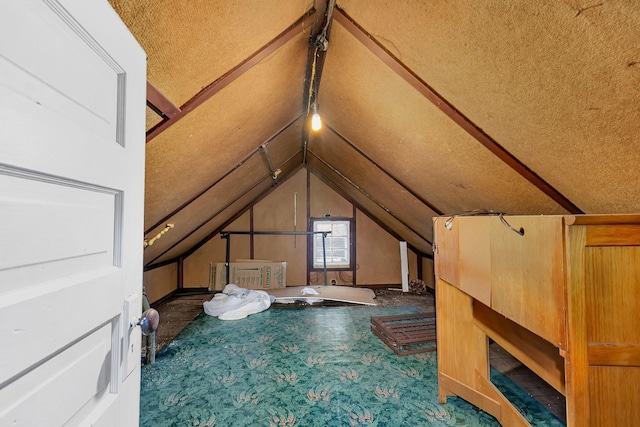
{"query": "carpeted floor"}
[(317, 366)]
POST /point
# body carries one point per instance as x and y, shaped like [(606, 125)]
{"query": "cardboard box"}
[(250, 275)]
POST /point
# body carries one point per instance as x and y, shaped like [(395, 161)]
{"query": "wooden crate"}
[(408, 333)]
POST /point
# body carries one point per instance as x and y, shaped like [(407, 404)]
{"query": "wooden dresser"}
[(563, 298)]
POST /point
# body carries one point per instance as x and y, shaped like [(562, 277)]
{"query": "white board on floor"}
[(348, 294), (404, 266)]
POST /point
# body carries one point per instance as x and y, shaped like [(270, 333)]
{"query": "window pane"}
[(322, 227), (336, 244), (340, 242), (340, 230)]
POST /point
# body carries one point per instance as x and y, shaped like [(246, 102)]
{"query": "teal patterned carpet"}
[(318, 366)]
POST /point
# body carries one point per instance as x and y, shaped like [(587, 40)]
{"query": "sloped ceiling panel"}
[(271, 154), (198, 149), (554, 82), (404, 132), (381, 187), (192, 43)]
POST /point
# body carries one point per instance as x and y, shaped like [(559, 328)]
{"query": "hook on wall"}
[(504, 221)]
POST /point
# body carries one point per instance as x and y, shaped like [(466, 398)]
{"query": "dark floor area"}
[(177, 312)]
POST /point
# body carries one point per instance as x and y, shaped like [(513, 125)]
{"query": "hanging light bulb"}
[(316, 122)]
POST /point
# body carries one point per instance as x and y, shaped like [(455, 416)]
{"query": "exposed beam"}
[(383, 170), (160, 103), (369, 196), (428, 92), (318, 42), (210, 186), (274, 172), (372, 217), (160, 264), (226, 79)]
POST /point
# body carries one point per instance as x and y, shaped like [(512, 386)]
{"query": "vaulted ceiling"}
[(428, 108)]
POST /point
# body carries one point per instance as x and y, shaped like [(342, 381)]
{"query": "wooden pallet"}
[(408, 333)]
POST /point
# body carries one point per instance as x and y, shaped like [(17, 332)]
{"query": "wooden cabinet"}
[(560, 293)]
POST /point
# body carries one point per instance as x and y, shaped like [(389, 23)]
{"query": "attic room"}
[(485, 152), (431, 110)]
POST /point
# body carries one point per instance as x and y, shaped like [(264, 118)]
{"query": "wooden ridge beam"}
[(318, 44)]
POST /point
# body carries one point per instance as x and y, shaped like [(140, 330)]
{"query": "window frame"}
[(350, 245)]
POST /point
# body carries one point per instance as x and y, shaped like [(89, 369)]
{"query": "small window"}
[(337, 246)]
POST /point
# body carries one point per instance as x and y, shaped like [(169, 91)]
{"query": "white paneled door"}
[(72, 113)]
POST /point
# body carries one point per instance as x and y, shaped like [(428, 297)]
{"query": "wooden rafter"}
[(226, 79), (160, 103), (465, 123), (383, 170)]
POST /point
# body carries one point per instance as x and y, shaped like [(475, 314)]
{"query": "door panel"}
[(72, 117), (57, 377), (43, 323), (57, 64), (52, 209)]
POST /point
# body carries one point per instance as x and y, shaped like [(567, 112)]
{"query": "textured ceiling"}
[(430, 108)]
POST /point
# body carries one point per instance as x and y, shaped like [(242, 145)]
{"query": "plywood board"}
[(362, 296), (527, 274)]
